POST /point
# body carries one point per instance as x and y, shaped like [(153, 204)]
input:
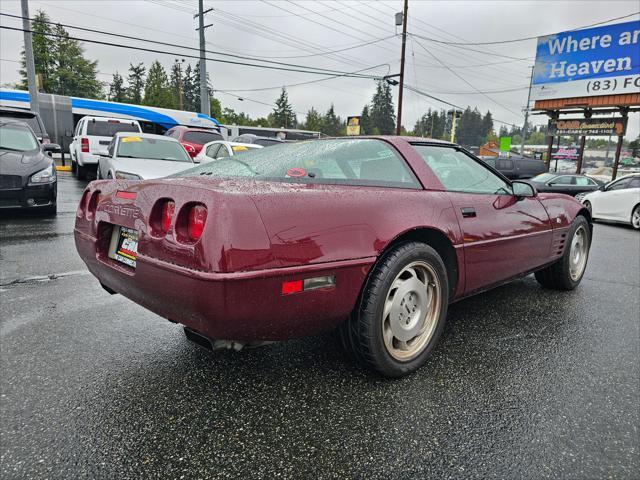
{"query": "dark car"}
[(30, 118), (258, 140), (517, 168), (27, 174), (374, 236), (192, 139), (565, 183)]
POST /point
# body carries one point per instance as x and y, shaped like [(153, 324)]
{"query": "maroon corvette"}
[(375, 236)]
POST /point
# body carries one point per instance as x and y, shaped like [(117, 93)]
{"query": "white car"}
[(93, 134), (142, 156), (617, 201), (220, 149)]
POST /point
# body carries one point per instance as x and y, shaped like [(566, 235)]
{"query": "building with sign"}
[(588, 73)]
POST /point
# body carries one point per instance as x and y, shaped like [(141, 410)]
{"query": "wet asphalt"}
[(525, 383)]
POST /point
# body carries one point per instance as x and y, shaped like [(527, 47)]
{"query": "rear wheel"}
[(567, 272), (81, 172), (401, 311), (635, 217)]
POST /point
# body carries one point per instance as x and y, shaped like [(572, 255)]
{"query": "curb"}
[(61, 168)]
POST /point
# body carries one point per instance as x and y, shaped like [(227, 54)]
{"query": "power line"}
[(514, 40), (309, 70), (277, 87), (129, 37), (464, 79)]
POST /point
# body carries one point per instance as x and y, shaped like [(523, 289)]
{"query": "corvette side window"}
[(459, 172)]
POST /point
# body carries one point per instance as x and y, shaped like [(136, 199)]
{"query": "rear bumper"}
[(242, 306), (30, 196), (87, 159)]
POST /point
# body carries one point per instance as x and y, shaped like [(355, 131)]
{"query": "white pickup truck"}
[(92, 135)]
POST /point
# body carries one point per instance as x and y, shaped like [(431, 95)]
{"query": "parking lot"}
[(526, 383)]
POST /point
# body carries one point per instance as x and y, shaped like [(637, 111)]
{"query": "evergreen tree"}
[(189, 90), (60, 62), (283, 112), (383, 115), (487, 126), (157, 92), (366, 124), (74, 75), (117, 91), (504, 131), (313, 121), (136, 83), (43, 54), (331, 123), (176, 82)]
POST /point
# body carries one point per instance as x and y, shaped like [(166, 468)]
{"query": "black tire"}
[(588, 206), (636, 211), (81, 172), (362, 333), (558, 276), (74, 168)]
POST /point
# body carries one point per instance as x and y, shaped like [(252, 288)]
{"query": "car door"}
[(584, 184), (504, 235), (611, 202), (76, 140)]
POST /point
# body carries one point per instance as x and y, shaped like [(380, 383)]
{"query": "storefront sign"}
[(353, 125), (588, 126), (565, 153)]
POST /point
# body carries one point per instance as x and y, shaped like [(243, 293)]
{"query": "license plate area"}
[(124, 245)]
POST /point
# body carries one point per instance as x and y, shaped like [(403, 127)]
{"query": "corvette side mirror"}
[(523, 189)]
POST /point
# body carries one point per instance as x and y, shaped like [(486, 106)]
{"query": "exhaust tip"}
[(198, 338)]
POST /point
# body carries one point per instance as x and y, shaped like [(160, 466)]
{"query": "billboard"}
[(588, 126), (585, 63), (565, 153)]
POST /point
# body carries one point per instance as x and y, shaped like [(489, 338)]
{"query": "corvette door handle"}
[(468, 212)]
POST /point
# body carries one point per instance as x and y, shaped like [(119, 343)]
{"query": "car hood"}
[(22, 163), (149, 169)]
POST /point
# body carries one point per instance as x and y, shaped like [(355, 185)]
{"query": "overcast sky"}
[(290, 31)]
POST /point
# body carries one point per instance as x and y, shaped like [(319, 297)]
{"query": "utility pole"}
[(28, 55), (205, 107), (404, 44), (526, 115)]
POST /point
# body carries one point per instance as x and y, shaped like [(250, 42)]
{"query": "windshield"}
[(152, 148), (543, 177), (109, 128), (17, 138), (200, 138), (341, 161)]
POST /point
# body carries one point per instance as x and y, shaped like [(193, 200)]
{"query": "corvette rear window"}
[(341, 161)]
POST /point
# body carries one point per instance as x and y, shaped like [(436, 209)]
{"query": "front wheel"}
[(635, 218), (567, 272), (401, 311)]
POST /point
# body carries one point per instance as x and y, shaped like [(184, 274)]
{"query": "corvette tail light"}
[(84, 145), (167, 215), (196, 221)]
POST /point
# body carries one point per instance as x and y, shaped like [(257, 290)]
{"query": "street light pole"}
[(28, 56), (404, 43)]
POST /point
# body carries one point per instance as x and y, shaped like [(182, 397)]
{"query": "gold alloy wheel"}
[(578, 253), (411, 311)]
